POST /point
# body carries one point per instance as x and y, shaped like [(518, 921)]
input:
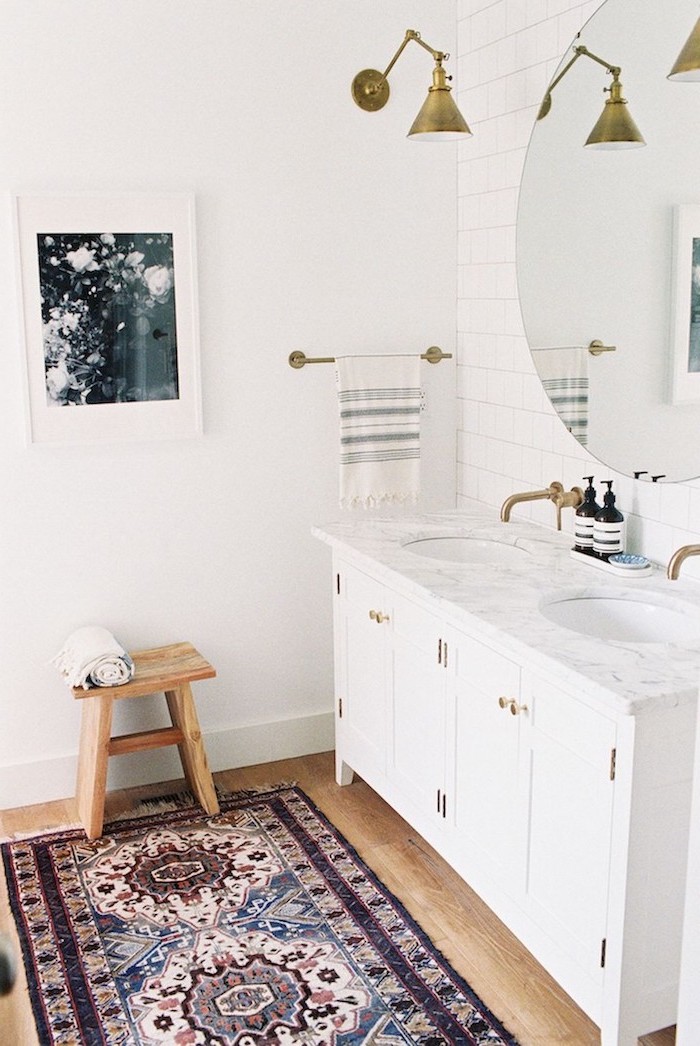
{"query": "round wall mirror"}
[(608, 248)]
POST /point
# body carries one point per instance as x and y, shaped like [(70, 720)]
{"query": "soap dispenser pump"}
[(585, 520), (609, 527)]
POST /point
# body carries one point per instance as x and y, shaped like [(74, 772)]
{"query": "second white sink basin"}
[(460, 548), (625, 617)]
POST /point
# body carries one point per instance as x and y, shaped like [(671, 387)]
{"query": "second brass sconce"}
[(615, 128), (687, 65), (439, 118)]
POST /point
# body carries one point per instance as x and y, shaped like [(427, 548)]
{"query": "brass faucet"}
[(554, 492), (677, 559)]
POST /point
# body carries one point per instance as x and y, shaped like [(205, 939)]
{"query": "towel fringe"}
[(378, 500)]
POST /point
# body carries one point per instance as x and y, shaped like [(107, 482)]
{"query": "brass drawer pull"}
[(376, 615)]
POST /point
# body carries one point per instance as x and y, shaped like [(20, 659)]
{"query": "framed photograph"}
[(685, 322), (109, 306)]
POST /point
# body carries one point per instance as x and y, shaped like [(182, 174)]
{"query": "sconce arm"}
[(412, 34), (614, 71)]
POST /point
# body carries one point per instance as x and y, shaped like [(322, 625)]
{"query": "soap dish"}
[(629, 561), (626, 563)]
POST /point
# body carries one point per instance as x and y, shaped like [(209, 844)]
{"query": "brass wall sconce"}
[(687, 65), (615, 128), (439, 118)]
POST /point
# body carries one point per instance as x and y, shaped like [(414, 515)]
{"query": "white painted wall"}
[(508, 437), (320, 227)]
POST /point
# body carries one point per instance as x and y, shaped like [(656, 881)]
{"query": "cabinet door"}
[(488, 806), (570, 764), (363, 628), (417, 701)]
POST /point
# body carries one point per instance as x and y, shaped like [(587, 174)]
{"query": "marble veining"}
[(499, 603)]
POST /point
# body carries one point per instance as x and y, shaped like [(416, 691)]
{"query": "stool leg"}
[(95, 729), (194, 758)]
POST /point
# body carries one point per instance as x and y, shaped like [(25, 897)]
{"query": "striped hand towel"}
[(379, 399), (564, 375)]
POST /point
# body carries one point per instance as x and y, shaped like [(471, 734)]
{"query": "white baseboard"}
[(22, 784)]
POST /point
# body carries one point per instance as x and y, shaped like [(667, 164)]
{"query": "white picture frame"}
[(108, 298), (685, 310)]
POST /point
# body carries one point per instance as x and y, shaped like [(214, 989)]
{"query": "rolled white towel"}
[(91, 656)]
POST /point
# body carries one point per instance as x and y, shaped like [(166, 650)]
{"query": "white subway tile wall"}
[(508, 436)]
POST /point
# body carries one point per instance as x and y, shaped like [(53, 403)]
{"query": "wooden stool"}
[(169, 669)]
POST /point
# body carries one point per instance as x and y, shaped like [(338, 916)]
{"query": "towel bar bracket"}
[(596, 347)]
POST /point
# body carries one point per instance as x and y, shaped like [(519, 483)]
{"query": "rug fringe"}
[(181, 800), (157, 804), (17, 837)]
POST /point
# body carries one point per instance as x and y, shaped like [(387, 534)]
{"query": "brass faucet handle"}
[(564, 499)]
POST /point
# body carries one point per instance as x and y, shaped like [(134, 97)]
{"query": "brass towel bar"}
[(298, 360), (595, 348)]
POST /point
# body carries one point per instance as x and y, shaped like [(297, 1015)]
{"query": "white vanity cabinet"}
[(488, 792), (568, 755), (568, 818), (390, 700), (362, 623)]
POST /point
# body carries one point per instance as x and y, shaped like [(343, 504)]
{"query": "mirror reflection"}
[(608, 248)]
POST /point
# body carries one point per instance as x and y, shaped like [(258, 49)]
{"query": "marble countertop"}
[(501, 602)]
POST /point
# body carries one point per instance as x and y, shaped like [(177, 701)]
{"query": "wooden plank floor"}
[(499, 969)]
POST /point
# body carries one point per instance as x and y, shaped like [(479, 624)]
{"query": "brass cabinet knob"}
[(516, 709), (376, 615), (512, 705)]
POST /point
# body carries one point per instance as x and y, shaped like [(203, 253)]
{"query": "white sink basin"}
[(460, 548), (625, 617)]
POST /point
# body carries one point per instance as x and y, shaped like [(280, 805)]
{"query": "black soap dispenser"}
[(585, 520), (608, 527)]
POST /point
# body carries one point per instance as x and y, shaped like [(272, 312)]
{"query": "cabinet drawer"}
[(558, 715)]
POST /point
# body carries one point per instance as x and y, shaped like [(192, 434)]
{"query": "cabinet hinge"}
[(441, 803), (337, 584), (442, 653), (340, 708), (603, 945), (439, 651), (613, 763)]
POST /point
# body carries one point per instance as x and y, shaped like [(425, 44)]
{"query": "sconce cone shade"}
[(615, 128), (439, 119), (687, 65)]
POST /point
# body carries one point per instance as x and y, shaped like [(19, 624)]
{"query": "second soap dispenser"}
[(585, 520), (608, 527)]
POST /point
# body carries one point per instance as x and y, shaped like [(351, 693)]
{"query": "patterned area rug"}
[(258, 927)]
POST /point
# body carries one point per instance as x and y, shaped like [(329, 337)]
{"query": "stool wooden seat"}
[(166, 669)]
